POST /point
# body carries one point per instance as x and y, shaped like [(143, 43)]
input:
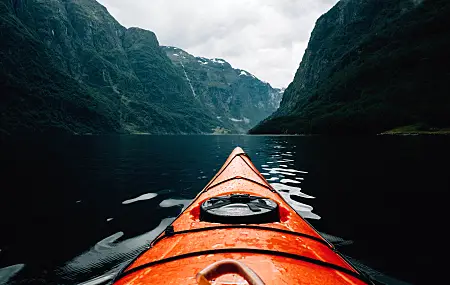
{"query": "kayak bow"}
[(239, 230)]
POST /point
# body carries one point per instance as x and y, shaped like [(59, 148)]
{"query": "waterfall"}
[(188, 80)]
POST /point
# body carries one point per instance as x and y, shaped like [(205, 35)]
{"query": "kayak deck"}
[(289, 251)]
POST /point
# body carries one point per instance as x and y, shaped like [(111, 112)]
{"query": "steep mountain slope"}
[(68, 66), (371, 66), (236, 97)]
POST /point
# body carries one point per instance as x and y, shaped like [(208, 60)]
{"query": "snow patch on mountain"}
[(245, 73), (218, 60)]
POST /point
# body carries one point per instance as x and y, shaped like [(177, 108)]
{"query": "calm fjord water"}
[(75, 208)]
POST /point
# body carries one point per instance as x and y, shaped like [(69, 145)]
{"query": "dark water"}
[(69, 211)]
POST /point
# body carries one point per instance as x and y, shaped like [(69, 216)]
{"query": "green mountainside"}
[(236, 97), (67, 66), (371, 66)]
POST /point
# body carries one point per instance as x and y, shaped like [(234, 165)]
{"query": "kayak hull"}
[(290, 251)]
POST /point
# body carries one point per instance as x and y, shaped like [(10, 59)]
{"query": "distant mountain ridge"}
[(370, 66), (235, 96), (67, 66)]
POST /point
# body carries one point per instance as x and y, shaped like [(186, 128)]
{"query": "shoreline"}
[(414, 134), (414, 130)]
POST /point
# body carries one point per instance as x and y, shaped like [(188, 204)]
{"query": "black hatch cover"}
[(239, 209)]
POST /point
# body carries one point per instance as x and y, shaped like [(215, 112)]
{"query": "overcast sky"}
[(265, 37)]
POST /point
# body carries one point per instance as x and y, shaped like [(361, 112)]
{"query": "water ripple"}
[(273, 171), (280, 169), (144, 197), (302, 209), (294, 191), (7, 273), (290, 181), (272, 178), (174, 202)]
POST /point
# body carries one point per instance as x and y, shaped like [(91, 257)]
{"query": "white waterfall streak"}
[(188, 80)]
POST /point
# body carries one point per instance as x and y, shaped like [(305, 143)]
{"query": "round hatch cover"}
[(239, 209)]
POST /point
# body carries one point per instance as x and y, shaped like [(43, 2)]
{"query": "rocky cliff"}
[(236, 97), (68, 66), (371, 66)]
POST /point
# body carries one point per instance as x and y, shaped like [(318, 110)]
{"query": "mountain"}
[(371, 66), (67, 66), (235, 96)]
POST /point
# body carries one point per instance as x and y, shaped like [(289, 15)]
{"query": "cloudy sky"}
[(265, 37)]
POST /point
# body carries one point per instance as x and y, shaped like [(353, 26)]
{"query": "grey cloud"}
[(265, 37), (298, 9)]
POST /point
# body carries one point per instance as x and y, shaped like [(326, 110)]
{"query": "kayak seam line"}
[(219, 173), (257, 172), (267, 185), (243, 227), (237, 178), (245, 250)]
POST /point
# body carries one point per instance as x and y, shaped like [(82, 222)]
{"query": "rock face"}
[(370, 66), (68, 66), (236, 97)]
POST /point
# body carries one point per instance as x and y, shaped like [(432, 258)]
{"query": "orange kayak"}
[(239, 230)]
